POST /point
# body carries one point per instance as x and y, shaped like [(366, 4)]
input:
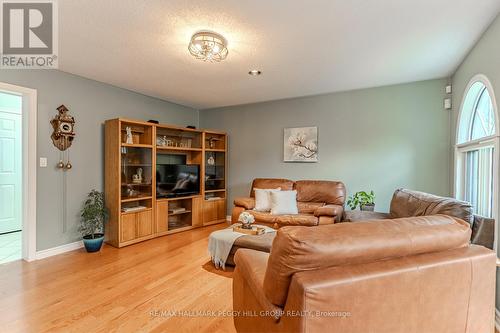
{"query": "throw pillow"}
[(263, 199), (284, 202)]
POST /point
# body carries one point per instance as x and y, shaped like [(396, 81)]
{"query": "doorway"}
[(11, 188), (18, 108)]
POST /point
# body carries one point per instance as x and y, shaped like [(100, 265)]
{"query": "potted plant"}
[(93, 216), (365, 201)]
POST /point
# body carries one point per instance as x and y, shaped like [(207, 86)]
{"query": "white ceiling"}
[(302, 47)]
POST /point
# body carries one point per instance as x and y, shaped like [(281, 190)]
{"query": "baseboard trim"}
[(58, 250), (497, 320)]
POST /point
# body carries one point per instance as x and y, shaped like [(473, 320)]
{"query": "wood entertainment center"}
[(190, 191)]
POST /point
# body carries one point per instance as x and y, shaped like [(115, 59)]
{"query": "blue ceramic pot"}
[(93, 244)]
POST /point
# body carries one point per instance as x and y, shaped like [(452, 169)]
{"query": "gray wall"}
[(484, 58), (91, 103), (380, 139)]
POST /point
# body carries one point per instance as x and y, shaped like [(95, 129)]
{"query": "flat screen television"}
[(177, 180)]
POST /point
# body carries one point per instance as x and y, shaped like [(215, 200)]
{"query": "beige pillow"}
[(263, 199), (284, 202)]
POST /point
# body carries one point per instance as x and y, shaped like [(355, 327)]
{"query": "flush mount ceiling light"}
[(254, 72), (208, 46)]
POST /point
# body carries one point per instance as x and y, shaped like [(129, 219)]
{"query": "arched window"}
[(476, 153)]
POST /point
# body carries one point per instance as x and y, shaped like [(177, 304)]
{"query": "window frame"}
[(490, 141)]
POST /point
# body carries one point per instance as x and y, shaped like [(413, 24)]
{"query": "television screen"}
[(174, 180)]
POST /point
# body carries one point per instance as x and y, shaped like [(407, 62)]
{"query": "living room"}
[(249, 166)]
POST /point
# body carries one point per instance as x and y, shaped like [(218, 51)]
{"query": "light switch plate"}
[(447, 103), (43, 162)]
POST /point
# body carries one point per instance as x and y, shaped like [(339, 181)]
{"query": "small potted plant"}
[(93, 216), (365, 201)]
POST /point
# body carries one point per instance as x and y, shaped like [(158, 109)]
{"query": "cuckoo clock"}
[(64, 132), (64, 126)]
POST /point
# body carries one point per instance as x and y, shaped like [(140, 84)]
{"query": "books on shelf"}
[(213, 198), (177, 210), (132, 209)]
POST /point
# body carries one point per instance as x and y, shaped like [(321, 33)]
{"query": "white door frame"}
[(29, 121)]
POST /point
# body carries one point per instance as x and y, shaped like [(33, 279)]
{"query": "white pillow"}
[(284, 202), (263, 199)]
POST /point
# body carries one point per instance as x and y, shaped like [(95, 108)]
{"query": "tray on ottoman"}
[(253, 231)]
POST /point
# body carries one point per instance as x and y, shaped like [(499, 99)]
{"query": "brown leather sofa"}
[(407, 203), (318, 201), (417, 274)]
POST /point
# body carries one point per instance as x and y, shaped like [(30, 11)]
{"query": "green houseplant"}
[(93, 216), (365, 201)]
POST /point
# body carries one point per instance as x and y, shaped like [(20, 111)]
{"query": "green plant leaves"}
[(361, 198), (93, 214)]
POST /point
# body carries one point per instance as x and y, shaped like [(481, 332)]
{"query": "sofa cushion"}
[(263, 198), (326, 191), (283, 202), (284, 184), (297, 219), (298, 249), (309, 207), (406, 203)]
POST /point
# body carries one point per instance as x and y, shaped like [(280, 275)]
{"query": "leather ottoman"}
[(261, 243)]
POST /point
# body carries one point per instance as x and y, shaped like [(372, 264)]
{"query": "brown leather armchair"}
[(407, 203), (318, 201), (415, 274)]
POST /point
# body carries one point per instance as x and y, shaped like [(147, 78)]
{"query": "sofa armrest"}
[(483, 231), (328, 210), (251, 266), (247, 203), (358, 215)]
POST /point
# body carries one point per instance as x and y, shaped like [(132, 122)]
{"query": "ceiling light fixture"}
[(255, 72), (208, 46)]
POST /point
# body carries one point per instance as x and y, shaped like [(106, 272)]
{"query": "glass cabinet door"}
[(136, 172), (215, 171)]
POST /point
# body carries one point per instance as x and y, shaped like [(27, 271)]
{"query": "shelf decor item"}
[(129, 141), (300, 144), (93, 216), (246, 220), (365, 201), (137, 178)]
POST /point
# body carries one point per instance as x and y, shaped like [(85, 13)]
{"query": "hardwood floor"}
[(122, 290)]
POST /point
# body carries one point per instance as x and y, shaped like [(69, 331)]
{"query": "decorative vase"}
[(93, 244), (367, 208)]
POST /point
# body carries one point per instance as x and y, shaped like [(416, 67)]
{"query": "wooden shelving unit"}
[(154, 216)]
